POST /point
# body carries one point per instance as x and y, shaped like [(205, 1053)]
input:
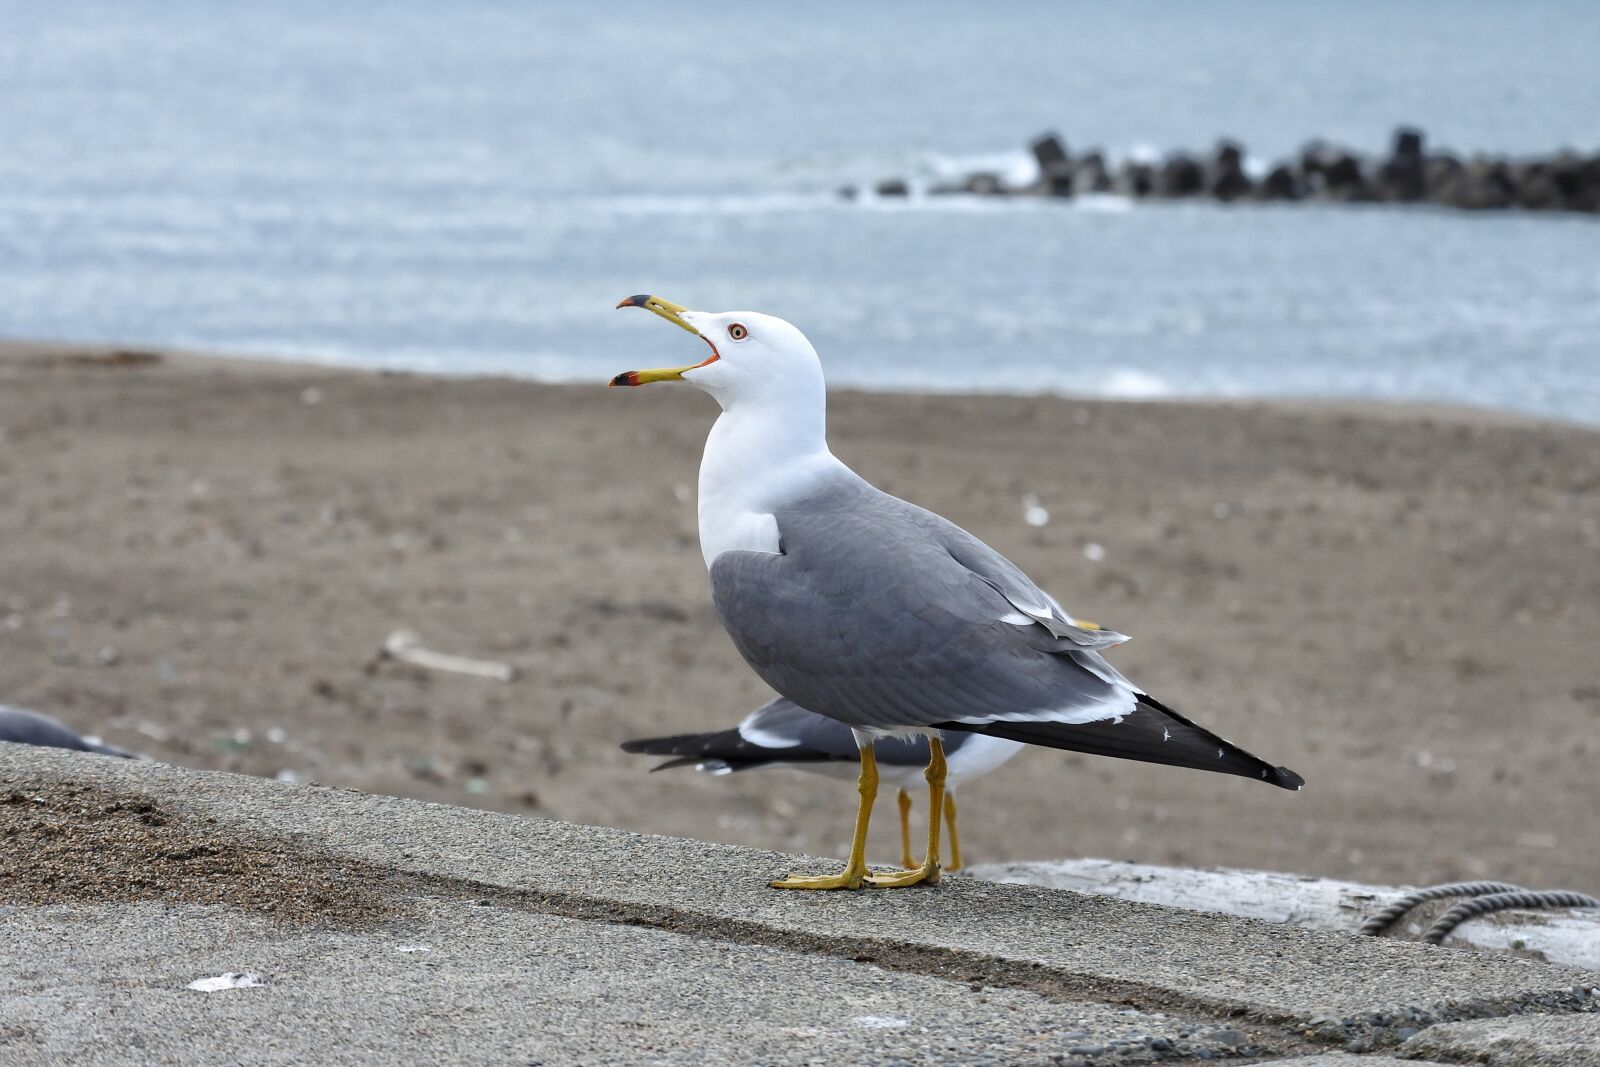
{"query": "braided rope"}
[(1392, 914), (1483, 905)]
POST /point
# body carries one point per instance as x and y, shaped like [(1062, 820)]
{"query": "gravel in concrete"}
[(1345, 1059)]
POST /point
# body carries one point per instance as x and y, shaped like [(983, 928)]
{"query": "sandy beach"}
[(202, 557)]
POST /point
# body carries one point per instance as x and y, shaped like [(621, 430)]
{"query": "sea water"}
[(469, 188)]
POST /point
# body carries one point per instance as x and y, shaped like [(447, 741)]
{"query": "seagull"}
[(31, 728), (781, 733), (865, 608)]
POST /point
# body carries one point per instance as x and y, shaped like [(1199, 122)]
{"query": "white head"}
[(756, 361)]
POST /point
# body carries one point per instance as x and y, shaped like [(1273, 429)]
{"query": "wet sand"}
[(201, 558)]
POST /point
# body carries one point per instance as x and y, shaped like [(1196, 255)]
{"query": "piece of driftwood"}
[(403, 646), (1566, 935)]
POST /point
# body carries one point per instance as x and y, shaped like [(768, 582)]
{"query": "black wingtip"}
[(1152, 733), (1284, 778), (681, 761)]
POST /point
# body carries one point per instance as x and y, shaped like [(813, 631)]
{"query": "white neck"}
[(760, 453)]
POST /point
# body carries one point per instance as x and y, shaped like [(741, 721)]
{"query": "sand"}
[(75, 844), (202, 558)]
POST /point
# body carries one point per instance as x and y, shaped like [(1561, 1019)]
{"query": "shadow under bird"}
[(862, 607), (780, 733)]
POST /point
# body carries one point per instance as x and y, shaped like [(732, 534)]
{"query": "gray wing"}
[(31, 728), (883, 615), (785, 723), (784, 726), (880, 614), (781, 731)]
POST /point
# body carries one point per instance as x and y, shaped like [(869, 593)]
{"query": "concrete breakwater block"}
[(377, 929)]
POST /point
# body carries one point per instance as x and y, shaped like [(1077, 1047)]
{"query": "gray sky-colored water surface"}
[(470, 187)]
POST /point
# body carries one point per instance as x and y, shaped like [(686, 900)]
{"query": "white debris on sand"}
[(230, 980), (1033, 512)]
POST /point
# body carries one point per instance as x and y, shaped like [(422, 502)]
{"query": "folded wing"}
[(885, 616)]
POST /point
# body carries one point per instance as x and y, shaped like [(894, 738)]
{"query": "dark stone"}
[(1536, 187), (1482, 185), (1408, 142), (1181, 176), (1439, 176), (1334, 173), (1090, 175), (1136, 180), (1227, 1038), (1578, 179), (1050, 152), (1140, 179), (1228, 180), (893, 187), (984, 185), (1403, 176), (1281, 183), (1055, 164), (1314, 157), (1345, 179)]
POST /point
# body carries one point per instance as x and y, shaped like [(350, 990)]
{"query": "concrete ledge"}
[(669, 949), (1528, 1041)]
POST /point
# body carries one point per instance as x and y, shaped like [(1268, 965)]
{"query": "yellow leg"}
[(929, 871), (905, 830), (955, 838), (855, 870)]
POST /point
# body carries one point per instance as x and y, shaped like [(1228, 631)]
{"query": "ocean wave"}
[(726, 204), (1015, 168), (1130, 384)]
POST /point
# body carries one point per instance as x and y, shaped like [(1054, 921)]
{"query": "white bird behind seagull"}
[(867, 609)]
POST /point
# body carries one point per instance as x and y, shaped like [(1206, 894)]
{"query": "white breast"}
[(749, 470), (725, 529)]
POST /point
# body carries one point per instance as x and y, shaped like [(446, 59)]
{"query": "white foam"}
[(1129, 384), (1015, 168), (1141, 152), (1106, 203), (730, 204)]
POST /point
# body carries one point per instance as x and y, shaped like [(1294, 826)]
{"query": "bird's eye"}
[(738, 332)]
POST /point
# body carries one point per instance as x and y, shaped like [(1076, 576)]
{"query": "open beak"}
[(673, 313)]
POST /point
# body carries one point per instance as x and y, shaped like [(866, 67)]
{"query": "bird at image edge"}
[(860, 606)]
